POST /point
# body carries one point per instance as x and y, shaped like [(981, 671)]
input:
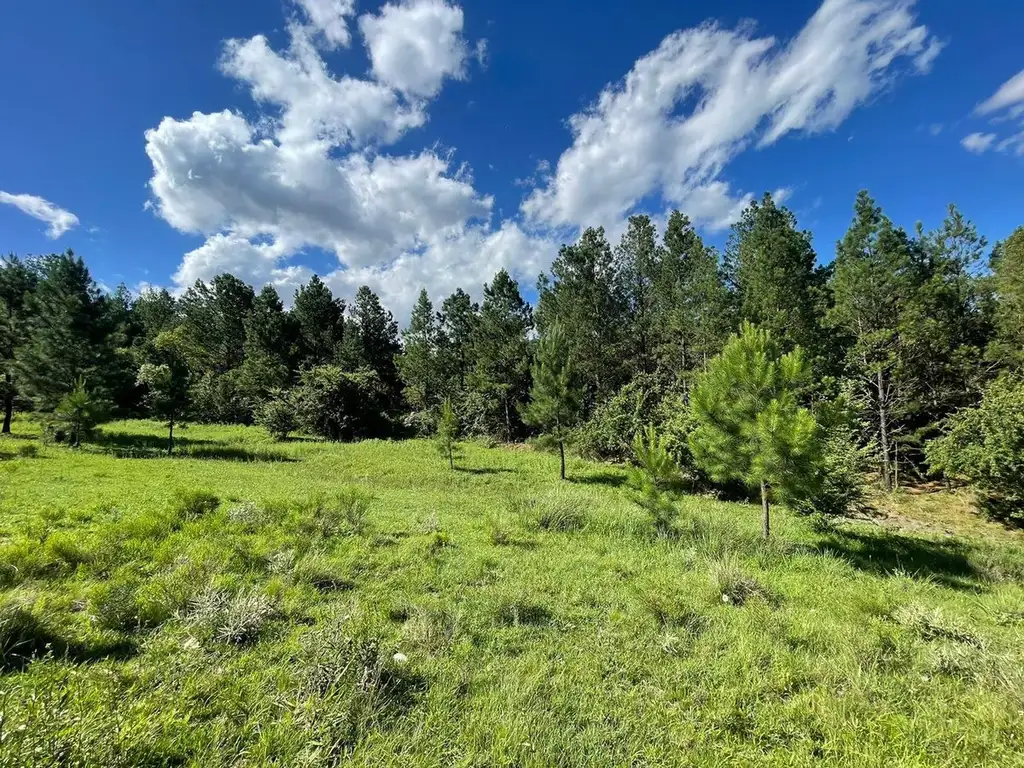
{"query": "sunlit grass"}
[(304, 603)]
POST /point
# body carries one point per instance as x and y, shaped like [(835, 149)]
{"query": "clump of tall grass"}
[(933, 624), (561, 509), (232, 618), (733, 585), (193, 504)]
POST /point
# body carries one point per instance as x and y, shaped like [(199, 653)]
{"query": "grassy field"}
[(305, 604)]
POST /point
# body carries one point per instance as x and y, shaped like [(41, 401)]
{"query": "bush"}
[(69, 549), (76, 417), (837, 486), (277, 416), (218, 399), (28, 450), (346, 511), (189, 505), (985, 445), (339, 405), (608, 434)]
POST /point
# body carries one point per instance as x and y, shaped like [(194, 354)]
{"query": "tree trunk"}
[(883, 431), (561, 455), (8, 404), (170, 437), (765, 522), (508, 423)]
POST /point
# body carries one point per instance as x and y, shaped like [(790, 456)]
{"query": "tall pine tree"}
[(320, 320), (420, 363), (17, 281)]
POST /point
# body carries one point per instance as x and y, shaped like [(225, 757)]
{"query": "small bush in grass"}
[(734, 585), (652, 477), (236, 619), (562, 509), (190, 505), (113, 605), (321, 573), (277, 416), (27, 450), (69, 549), (247, 514), (933, 624), (345, 512), (952, 659)]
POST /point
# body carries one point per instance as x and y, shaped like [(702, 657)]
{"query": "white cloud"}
[(1009, 95), (685, 110), (978, 142), (1007, 103), (328, 18), (413, 46), (58, 219)]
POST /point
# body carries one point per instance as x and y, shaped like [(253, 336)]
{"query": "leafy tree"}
[(165, 377), (771, 267), (556, 400), (276, 414), (1008, 268), (458, 320), (652, 476), (67, 334), (872, 281), (17, 281), (421, 364), (985, 444), (584, 296), (339, 405), (502, 349), (749, 425), (320, 318), (447, 435), (77, 415), (371, 341), (691, 304)]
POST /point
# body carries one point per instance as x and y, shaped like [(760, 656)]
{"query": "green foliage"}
[(985, 444), (77, 415), (421, 363), (1008, 266), (277, 416), (750, 426), (320, 320), (556, 401), (217, 398), (652, 478), (608, 434), (193, 504), (371, 342), (837, 486), (446, 438), (337, 405)]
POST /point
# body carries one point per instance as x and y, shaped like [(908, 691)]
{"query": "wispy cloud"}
[(58, 219)]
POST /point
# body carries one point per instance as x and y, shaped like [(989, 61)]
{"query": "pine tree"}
[(750, 426), (420, 363), (556, 400), (67, 336), (371, 341), (771, 267), (638, 260), (268, 345), (872, 281), (458, 321), (320, 319), (17, 281), (692, 312), (502, 349), (156, 311), (584, 296), (213, 316)]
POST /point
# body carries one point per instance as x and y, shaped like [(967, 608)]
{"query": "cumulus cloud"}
[(978, 142), (415, 45), (58, 219), (1005, 105), (328, 18), (686, 109)]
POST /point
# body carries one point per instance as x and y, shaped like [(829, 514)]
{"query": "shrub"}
[(561, 509), (189, 505), (836, 486), (608, 434), (277, 416), (218, 399), (27, 450), (985, 445), (340, 405), (733, 584), (76, 416), (345, 511)]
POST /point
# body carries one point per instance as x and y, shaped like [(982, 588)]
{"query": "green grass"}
[(303, 604)]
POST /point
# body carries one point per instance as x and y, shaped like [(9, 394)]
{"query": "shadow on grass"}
[(1007, 513), (886, 553), (26, 638), (483, 470), (129, 446), (611, 479)]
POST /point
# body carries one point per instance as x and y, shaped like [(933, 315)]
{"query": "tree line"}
[(910, 343)]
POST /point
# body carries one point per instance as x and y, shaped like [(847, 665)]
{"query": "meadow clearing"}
[(309, 603)]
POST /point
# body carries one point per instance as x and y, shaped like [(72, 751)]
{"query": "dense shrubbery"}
[(338, 405)]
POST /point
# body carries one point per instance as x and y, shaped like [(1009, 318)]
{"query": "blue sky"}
[(425, 142)]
